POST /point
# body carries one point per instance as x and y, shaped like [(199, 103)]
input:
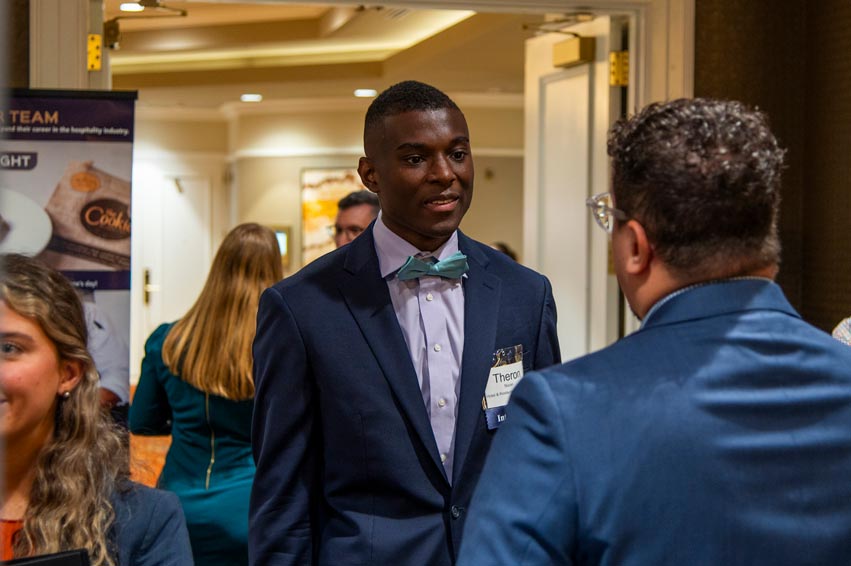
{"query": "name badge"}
[(505, 374)]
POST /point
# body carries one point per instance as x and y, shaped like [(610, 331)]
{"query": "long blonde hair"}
[(210, 347), (85, 462)]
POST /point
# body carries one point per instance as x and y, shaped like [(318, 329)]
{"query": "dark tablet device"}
[(68, 558)]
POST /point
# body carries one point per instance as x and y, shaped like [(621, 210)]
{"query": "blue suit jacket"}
[(718, 434), (348, 470), (149, 528)]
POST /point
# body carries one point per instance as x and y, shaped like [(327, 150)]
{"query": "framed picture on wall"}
[(320, 191), (284, 236)]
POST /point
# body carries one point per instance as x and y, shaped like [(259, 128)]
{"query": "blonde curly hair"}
[(85, 462)]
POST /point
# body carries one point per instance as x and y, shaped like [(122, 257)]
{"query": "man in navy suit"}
[(371, 363), (717, 434)]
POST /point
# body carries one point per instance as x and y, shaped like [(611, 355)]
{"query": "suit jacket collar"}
[(482, 300), (717, 298)]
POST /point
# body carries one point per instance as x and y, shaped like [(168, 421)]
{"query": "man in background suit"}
[(718, 433), (371, 364), (355, 212)]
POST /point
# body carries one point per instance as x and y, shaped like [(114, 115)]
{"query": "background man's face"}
[(351, 222)]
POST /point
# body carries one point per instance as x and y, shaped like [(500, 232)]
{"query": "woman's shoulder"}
[(136, 498), (139, 508), (150, 527), (157, 337)]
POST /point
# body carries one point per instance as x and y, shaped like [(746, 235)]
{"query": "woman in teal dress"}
[(196, 385)]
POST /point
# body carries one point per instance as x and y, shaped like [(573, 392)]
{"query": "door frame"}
[(662, 57)]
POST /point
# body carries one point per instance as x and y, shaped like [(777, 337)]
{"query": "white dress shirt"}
[(430, 311)]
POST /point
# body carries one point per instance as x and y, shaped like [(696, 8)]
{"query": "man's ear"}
[(71, 372), (367, 174), (639, 249)]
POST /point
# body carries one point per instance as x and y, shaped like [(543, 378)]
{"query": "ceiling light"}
[(251, 97), (131, 7), (365, 92)]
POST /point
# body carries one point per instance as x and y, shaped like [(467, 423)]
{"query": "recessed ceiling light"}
[(365, 92), (251, 97), (131, 7)]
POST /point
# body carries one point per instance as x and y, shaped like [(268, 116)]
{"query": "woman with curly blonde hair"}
[(196, 383), (65, 483)]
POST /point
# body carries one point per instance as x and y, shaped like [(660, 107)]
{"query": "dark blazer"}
[(149, 528), (348, 470), (719, 433)]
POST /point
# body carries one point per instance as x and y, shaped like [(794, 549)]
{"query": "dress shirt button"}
[(437, 347), (429, 297), (443, 458), (441, 402), (455, 512)]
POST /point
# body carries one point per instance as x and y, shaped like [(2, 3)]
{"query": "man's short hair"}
[(406, 96), (357, 198), (703, 178)]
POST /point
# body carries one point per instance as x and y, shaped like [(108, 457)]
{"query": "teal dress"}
[(209, 464)]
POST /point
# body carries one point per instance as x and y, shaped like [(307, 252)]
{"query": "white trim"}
[(293, 106), (231, 110), (57, 44), (465, 100), (346, 151), (664, 46), (488, 100)]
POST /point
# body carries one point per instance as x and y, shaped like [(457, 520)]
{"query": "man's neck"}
[(663, 281)]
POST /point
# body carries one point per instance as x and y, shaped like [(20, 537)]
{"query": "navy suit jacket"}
[(149, 528), (718, 434), (348, 471)]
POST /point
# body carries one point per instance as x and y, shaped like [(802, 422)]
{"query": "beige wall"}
[(267, 173), (268, 151), (174, 135)]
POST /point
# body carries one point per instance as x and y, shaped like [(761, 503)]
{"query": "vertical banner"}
[(65, 168)]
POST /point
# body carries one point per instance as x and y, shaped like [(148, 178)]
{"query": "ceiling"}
[(220, 50)]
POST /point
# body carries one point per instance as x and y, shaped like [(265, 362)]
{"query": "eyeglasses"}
[(603, 211), (350, 231)]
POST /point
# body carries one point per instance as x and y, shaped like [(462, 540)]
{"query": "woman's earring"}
[(65, 394)]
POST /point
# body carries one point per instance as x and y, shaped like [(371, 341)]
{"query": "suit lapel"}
[(368, 298), (481, 313)]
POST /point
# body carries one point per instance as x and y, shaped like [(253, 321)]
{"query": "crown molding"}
[(466, 101), (351, 151)]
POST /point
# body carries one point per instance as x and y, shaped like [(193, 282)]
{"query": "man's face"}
[(420, 166), (351, 222)]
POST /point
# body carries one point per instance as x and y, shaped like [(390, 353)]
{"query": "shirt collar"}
[(393, 251), (684, 290)]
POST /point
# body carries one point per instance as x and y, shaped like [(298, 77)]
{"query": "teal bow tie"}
[(452, 267)]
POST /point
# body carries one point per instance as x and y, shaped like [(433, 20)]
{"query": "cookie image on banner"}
[(90, 212)]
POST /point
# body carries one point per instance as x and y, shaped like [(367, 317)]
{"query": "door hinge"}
[(619, 68), (94, 52)]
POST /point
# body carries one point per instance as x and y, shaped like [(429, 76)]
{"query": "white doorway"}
[(568, 113), (173, 247)]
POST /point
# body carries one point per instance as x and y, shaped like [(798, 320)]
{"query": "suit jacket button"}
[(455, 511)]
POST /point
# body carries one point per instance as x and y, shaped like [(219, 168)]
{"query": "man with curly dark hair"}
[(718, 433)]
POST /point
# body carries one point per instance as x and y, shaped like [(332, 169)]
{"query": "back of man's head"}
[(357, 198), (703, 178), (406, 96)]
